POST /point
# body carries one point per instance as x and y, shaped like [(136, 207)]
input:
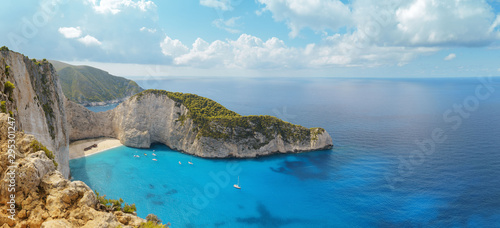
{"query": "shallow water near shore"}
[(374, 176)]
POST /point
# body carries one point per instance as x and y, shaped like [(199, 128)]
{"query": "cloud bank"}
[(360, 33)]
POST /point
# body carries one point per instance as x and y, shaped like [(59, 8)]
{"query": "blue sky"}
[(338, 38)]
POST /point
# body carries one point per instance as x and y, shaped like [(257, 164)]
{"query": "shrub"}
[(37, 146), (129, 208), (7, 68), (9, 87), (182, 118), (3, 106), (315, 132), (153, 218), (102, 200), (11, 114), (150, 224), (4, 48), (114, 205)]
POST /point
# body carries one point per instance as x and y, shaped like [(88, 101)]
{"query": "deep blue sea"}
[(408, 153)]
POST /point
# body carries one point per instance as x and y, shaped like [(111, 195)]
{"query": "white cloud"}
[(396, 22), (250, 52), (70, 32), (247, 52), (356, 50), (173, 48), (373, 33), (318, 15), (227, 25), (150, 30), (446, 23), (450, 57), (89, 41), (116, 6), (223, 5)]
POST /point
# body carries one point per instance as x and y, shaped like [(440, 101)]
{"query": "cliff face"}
[(37, 103), (156, 118), (43, 197), (83, 123)]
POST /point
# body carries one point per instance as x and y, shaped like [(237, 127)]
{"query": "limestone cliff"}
[(83, 123), (37, 102), (43, 197), (193, 125)]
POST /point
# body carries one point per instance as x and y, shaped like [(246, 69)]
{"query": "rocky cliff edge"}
[(194, 125), (42, 196), (36, 102)]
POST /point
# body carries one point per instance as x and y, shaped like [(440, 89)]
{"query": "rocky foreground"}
[(194, 125), (43, 197)]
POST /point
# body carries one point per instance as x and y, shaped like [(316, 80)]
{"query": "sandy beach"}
[(76, 149)]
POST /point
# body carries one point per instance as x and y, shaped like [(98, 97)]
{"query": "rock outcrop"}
[(43, 197), (155, 117), (84, 124), (37, 103)]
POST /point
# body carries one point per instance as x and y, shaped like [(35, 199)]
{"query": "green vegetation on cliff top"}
[(83, 84), (37, 146), (114, 205), (214, 120)]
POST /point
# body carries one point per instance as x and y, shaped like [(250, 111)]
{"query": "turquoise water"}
[(102, 108), (377, 175)]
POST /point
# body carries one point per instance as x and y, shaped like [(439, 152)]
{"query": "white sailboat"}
[(238, 185)]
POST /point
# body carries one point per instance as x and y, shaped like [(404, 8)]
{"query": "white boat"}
[(237, 185), (190, 163), (180, 163), (154, 154), (154, 159)]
